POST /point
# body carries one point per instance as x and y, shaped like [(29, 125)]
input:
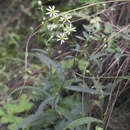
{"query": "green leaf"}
[(24, 87), (42, 105), (12, 126), (85, 89), (87, 28), (11, 109), (98, 128), (61, 124), (35, 116), (82, 121), (81, 38), (85, 35), (67, 63), (27, 120), (62, 111), (17, 108), (50, 63), (2, 113), (11, 119)]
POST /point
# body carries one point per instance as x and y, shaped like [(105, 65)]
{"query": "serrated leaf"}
[(17, 108), (11, 119)]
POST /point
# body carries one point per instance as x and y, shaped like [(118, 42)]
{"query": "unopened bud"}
[(39, 2)]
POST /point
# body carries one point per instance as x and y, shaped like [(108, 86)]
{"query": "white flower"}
[(52, 26), (61, 37), (65, 19), (52, 12), (70, 29), (39, 2)]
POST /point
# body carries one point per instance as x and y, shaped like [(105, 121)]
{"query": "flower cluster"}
[(63, 25), (52, 26)]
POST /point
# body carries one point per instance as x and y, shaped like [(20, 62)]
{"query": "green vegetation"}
[(64, 65), (8, 115)]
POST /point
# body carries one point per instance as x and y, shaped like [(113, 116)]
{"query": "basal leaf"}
[(35, 116), (82, 121)]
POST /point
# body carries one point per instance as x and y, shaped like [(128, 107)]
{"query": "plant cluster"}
[(11, 109), (68, 82)]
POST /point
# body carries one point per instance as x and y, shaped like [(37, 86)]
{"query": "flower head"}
[(51, 11), (65, 19), (70, 29), (61, 37)]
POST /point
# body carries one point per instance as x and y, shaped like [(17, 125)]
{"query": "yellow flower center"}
[(70, 29), (52, 11), (61, 38), (66, 19)]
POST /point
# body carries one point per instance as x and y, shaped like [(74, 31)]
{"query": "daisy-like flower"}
[(51, 11), (52, 26), (70, 29), (65, 19), (61, 37)]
